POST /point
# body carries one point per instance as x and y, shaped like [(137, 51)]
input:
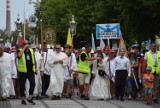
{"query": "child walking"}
[(148, 79)]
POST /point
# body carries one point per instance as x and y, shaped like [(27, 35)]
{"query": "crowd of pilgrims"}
[(62, 72)]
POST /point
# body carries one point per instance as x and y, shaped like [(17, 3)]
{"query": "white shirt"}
[(123, 64), (112, 66)]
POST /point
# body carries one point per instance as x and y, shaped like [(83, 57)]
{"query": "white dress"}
[(14, 63), (72, 64), (100, 87), (6, 84), (38, 80), (57, 73)]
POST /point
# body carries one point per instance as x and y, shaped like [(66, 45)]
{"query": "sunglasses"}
[(58, 48)]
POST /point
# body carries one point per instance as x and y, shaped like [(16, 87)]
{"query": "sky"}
[(17, 7)]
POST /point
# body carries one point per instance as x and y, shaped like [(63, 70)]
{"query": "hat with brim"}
[(111, 50), (149, 68), (32, 46), (67, 46)]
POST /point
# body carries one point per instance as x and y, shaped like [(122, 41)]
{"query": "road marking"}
[(84, 106), (44, 103)]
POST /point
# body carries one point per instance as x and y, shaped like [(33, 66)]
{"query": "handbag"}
[(101, 73)]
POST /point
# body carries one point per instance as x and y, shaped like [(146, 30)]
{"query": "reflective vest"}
[(152, 63), (22, 62), (84, 66)]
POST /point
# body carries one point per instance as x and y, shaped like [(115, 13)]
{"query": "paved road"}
[(75, 102)]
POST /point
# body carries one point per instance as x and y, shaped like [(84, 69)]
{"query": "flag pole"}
[(41, 29), (24, 24), (108, 43)]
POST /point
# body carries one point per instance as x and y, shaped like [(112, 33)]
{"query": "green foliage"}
[(139, 19)]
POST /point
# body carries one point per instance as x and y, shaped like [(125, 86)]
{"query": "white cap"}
[(83, 48), (62, 49), (32, 46)]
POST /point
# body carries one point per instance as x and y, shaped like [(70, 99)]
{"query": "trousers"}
[(120, 82), (22, 81), (45, 83)]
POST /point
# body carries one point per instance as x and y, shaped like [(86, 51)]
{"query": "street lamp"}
[(18, 24), (18, 28), (73, 25)]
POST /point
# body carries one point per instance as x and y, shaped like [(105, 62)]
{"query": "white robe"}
[(72, 64), (14, 65), (57, 73), (47, 68), (6, 84), (100, 87), (38, 80)]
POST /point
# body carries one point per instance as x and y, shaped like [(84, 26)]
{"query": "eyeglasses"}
[(58, 48)]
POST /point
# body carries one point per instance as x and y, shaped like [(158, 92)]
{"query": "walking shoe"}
[(117, 98), (155, 101), (45, 96), (31, 101), (23, 102), (38, 97), (86, 98), (82, 97), (121, 99), (58, 98), (70, 95), (54, 97)]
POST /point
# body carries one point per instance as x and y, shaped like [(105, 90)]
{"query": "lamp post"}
[(73, 25), (18, 24), (18, 29)]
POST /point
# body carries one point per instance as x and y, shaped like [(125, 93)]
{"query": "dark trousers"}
[(120, 82), (22, 81), (45, 83)]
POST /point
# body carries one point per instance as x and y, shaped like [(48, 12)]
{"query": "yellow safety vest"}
[(22, 62), (84, 66), (151, 62)]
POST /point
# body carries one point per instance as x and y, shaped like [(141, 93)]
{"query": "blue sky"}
[(17, 7)]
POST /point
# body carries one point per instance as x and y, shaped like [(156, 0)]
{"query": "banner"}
[(108, 31)]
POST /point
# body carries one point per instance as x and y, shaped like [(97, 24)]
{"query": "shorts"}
[(84, 78), (148, 90)]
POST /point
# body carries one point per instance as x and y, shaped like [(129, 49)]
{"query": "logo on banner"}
[(108, 31)]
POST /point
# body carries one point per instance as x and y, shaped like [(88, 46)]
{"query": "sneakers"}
[(45, 96), (155, 101), (58, 98), (31, 101), (86, 98), (121, 99), (23, 102), (54, 97), (82, 96)]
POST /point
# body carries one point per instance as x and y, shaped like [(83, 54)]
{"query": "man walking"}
[(152, 59), (57, 61), (123, 69), (5, 74), (84, 70), (47, 69), (27, 70)]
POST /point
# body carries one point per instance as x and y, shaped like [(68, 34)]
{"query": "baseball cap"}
[(149, 68), (111, 50)]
